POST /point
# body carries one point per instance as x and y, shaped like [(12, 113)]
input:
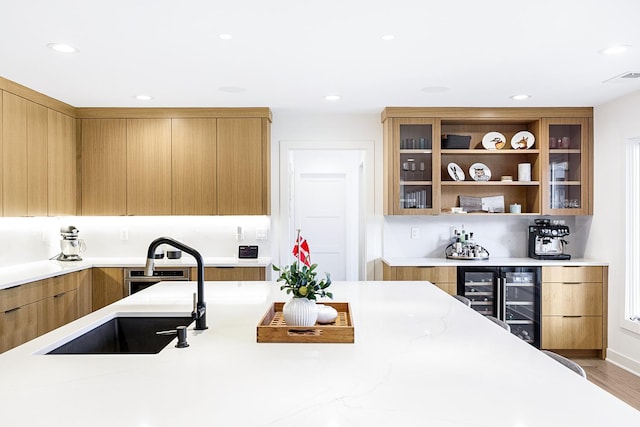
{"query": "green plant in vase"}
[(303, 285), (302, 281)]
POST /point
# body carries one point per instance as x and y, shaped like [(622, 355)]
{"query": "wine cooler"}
[(511, 294)]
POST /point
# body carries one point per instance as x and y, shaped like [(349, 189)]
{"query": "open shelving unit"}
[(418, 183)]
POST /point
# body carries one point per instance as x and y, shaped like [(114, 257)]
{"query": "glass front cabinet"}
[(423, 177), (567, 177), (409, 164)]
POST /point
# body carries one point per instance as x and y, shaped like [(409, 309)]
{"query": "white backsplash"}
[(36, 239), (502, 236)]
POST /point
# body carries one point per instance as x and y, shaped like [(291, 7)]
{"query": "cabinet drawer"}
[(569, 298), (448, 287), (572, 333), (18, 296), (18, 326), (231, 273), (431, 274), (572, 274)]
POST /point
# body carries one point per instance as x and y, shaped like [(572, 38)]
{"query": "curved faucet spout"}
[(200, 310)]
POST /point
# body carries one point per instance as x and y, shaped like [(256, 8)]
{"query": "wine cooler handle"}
[(499, 297), (504, 298)]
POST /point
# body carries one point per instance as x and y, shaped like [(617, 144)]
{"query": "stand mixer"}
[(70, 245)]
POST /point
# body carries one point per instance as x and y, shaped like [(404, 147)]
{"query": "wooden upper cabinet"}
[(193, 171), (14, 155), (37, 185), (149, 166), (61, 161), (24, 157), (567, 177), (241, 174), (104, 166)]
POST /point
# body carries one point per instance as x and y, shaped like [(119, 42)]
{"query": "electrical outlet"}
[(415, 233), (262, 234), (124, 234)]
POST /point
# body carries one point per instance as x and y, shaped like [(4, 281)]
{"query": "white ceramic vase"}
[(300, 312)]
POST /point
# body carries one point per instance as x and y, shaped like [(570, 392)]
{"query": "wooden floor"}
[(617, 381)]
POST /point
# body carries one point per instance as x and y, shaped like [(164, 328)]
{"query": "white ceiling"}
[(289, 54)]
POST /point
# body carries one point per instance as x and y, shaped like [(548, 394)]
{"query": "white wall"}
[(502, 236), (614, 123), (320, 129)]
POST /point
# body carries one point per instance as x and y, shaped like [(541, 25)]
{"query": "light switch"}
[(261, 234)]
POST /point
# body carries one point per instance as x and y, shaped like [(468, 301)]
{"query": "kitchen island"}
[(419, 358)]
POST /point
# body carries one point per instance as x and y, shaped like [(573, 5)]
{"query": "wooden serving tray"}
[(272, 327)]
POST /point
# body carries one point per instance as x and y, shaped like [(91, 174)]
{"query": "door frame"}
[(367, 184)]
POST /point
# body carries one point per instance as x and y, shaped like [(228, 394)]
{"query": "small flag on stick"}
[(301, 251)]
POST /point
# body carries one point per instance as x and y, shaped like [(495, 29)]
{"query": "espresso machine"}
[(70, 245), (546, 240)]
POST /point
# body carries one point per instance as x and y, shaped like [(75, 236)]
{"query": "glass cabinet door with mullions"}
[(567, 186), (414, 166)]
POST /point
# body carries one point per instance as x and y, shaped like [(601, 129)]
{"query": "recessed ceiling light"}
[(143, 97), (61, 47), (332, 97), (615, 50), (434, 89), (232, 89), (225, 36), (388, 37), (520, 97)]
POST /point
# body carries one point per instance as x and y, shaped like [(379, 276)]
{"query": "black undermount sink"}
[(125, 335)]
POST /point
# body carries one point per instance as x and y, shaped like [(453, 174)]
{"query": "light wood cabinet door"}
[(572, 332), (14, 155), (231, 273), (85, 292), (571, 299), (574, 308), (37, 184), (570, 274), (240, 166), (149, 166), (57, 310), (104, 166), (193, 172), (410, 167), (18, 325), (567, 187), (107, 286), (442, 277), (61, 162)]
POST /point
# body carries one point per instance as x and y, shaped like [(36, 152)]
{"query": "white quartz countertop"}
[(420, 358), (28, 272), (491, 262)]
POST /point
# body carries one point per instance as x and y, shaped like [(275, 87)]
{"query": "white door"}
[(326, 205)]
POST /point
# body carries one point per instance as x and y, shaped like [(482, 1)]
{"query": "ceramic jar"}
[(300, 312)]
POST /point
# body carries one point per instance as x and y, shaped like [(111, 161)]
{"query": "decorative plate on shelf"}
[(523, 140), (479, 172), (455, 172), (493, 141)]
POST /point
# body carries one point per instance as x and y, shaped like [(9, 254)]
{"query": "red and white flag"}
[(301, 251)]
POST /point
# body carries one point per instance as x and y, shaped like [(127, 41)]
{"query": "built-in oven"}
[(135, 279)]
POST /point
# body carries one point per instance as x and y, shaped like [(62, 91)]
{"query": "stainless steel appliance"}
[(511, 294), (71, 246), (546, 240), (135, 279)]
